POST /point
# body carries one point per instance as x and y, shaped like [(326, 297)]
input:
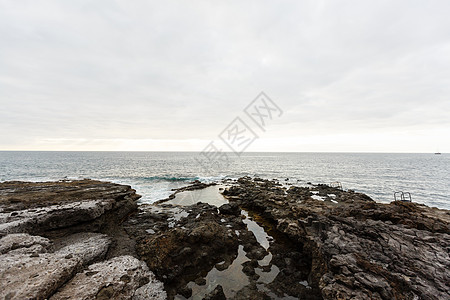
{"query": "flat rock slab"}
[(26, 273), (23, 242), (25, 277), (117, 278), (18, 195), (55, 216), (50, 245), (35, 207)]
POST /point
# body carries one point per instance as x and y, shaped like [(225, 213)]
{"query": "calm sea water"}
[(154, 174)]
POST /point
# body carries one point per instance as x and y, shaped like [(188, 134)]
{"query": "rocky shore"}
[(270, 240), (359, 249), (63, 240)]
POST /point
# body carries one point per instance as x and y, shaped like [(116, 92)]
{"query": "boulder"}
[(230, 209), (216, 294), (26, 273), (117, 278)]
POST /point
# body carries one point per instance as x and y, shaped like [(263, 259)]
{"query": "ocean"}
[(154, 174)]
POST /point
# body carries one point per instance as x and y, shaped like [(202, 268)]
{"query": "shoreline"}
[(325, 242), (175, 183)]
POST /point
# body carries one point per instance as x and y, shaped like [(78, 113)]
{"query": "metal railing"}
[(336, 185), (402, 196)]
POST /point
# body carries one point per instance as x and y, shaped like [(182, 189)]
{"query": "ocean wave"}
[(169, 178), (209, 179), (205, 179)]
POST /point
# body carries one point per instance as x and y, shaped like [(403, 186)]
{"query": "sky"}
[(349, 76)]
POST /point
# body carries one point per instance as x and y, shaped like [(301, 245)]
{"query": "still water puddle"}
[(210, 195), (261, 236), (232, 277)]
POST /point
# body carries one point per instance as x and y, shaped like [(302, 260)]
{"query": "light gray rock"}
[(25, 275), (153, 290), (66, 213), (22, 241), (87, 246), (117, 278), (54, 216)]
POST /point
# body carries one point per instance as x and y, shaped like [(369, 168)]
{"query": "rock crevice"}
[(359, 248), (88, 240)]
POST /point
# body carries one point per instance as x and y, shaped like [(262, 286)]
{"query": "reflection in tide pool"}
[(232, 279), (208, 195)]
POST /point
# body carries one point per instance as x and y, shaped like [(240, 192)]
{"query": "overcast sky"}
[(171, 75)]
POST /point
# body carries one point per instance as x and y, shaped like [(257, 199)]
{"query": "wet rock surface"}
[(178, 243), (358, 248), (47, 206), (201, 251), (63, 240), (270, 240), (193, 186)]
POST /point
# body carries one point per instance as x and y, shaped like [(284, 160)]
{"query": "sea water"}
[(155, 174)]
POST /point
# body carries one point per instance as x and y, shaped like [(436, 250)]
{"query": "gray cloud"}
[(173, 70)]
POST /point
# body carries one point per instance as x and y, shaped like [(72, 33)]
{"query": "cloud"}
[(104, 71)]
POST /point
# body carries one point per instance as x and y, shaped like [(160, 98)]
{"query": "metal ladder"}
[(336, 185), (402, 196)]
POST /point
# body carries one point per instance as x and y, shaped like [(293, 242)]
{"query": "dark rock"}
[(185, 251), (195, 185), (357, 248), (178, 253), (216, 294), (258, 253), (222, 265), (200, 281), (230, 209), (186, 292), (248, 268), (251, 292)]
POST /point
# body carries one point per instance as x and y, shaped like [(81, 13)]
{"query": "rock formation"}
[(62, 240), (89, 240), (359, 249)]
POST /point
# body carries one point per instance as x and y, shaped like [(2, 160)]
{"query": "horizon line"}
[(188, 151)]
